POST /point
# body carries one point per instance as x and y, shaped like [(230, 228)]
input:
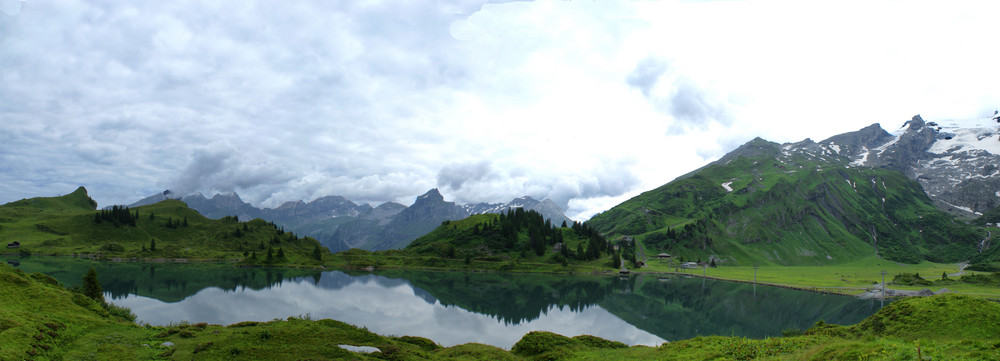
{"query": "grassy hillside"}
[(70, 225), (41, 320), (791, 211)]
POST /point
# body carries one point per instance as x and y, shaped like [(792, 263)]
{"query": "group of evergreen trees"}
[(117, 215), (172, 224), (692, 235), (504, 232)]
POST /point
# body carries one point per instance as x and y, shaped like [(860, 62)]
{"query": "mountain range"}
[(340, 224)]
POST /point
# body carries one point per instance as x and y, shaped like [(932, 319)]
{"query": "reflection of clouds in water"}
[(394, 310)]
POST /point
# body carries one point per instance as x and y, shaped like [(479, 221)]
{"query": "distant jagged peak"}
[(432, 195), (390, 206), (868, 137), (331, 200), (550, 202), (227, 195), (195, 195), (915, 123), (525, 201)]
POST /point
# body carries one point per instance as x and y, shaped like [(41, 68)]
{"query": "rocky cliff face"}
[(954, 161), (426, 214)]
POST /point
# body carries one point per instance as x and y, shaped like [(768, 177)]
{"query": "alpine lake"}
[(454, 308)]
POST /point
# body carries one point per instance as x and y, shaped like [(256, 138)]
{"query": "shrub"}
[(597, 342), (245, 324), (423, 343), (120, 312), (538, 342), (202, 347), (44, 278)]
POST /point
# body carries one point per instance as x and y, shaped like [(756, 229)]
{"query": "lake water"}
[(454, 308)]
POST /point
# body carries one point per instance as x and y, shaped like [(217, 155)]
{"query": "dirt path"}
[(961, 270)]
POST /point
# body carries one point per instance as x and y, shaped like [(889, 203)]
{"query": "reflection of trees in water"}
[(679, 308), (512, 299), (171, 283), (166, 282)]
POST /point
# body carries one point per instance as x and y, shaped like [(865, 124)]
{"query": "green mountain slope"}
[(70, 225), (761, 204)]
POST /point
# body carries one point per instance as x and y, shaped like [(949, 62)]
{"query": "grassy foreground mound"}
[(41, 320)]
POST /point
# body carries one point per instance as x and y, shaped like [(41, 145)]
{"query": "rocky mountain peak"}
[(916, 123), (230, 197), (432, 196)]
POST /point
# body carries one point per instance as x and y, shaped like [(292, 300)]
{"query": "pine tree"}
[(281, 253), (92, 287), (317, 254), (152, 245), (270, 255), (185, 221)]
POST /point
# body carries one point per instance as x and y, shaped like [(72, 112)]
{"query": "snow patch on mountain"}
[(860, 161), (967, 141)]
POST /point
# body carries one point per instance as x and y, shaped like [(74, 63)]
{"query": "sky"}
[(588, 103)]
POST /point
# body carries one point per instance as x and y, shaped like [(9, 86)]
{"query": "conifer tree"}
[(317, 254), (92, 287)]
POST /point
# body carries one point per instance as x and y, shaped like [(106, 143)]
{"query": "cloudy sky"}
[(585, 102)]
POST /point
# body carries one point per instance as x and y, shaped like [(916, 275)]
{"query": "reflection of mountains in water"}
[(670, 307)]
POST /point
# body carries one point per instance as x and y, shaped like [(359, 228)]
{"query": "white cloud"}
[(584, 102)]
